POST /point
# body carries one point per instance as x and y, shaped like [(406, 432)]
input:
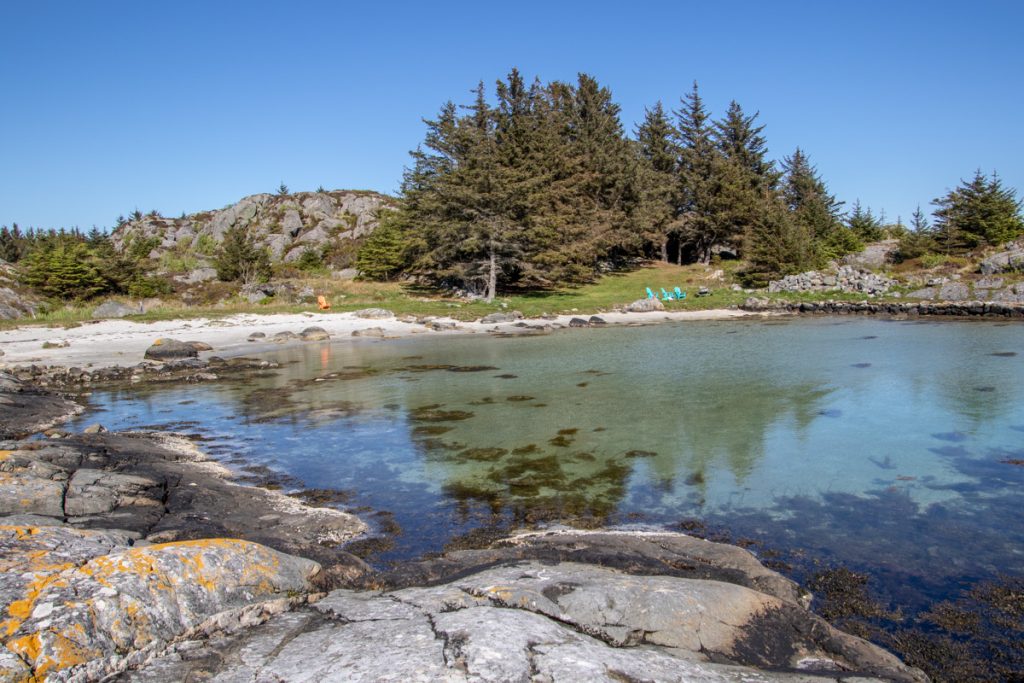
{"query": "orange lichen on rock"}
[(65, 612)]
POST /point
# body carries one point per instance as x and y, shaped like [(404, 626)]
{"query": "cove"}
[(885, 446)]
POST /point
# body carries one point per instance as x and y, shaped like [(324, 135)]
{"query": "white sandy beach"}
[(123, 342)]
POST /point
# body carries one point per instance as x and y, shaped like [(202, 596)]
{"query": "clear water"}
[(881, 445)]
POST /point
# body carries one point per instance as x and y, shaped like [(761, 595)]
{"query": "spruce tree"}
[(382, 254), (978, 212), (864, 224), (700, 163), (238, 258), (741, 142), (814, 208), (660, 153), (918, 240)]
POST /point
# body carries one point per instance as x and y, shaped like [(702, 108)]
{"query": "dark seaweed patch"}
[(483, 454), (583, 384), (985, 389), (526, 450), (560, 441), (568, 432), (640, 454), (506, 376), (435, 415), (518, 398), (830, 412), (430, 430), (1004, 354), (860, 365)]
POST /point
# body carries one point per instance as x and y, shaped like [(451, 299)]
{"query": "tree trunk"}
[(679, 253), (664, 250), (492, 277)]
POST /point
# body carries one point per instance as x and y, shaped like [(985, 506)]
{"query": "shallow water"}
[(881, 445)]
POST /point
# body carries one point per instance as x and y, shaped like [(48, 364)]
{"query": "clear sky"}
[(182, 106)]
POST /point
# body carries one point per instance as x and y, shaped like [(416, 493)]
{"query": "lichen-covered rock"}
[(501, 317), (284, 224), (379, 332), (849, 279), (532, 621), (115, 309), (373, 313), (1004, 261), (314, 334), (170, 349), (645, 306), (71, 612)]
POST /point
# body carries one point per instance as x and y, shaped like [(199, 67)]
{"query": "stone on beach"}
[(170, 349)]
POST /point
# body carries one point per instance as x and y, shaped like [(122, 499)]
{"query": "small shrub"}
[(934, 260)]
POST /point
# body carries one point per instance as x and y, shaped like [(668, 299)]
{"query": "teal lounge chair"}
[(650, 294), (665, 296), (680, 295)]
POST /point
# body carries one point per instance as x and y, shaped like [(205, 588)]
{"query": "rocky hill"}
[(286, 224)]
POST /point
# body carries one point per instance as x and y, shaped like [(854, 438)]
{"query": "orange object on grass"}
[(321, 301)]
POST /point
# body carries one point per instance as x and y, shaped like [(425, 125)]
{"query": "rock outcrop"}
[(553, 620), (846, 279), (14, 301), (1011, 260), (159, 488), (286, 224), (647, 305), (77, 597)]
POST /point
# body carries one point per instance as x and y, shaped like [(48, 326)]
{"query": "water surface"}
[(883, 445)]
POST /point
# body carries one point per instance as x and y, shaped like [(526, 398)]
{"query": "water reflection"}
[(864, 440)]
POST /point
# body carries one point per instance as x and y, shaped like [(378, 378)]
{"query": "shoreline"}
[(113, 343), (122, 342)]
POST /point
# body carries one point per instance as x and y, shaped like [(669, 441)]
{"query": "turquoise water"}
[(883, 445)]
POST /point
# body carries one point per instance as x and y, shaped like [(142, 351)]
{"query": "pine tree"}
[(10, 247), (980, 211)]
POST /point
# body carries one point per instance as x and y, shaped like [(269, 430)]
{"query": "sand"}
[(123, 342)]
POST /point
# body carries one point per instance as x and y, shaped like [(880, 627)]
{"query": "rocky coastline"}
[(960, 309), (133, 557)]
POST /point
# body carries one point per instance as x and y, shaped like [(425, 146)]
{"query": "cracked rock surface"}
[(527, 621)]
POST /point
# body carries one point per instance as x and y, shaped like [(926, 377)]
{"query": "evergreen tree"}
[(918, 240), (742, 143), (864, 224), (657, 147), (700, 163), (813, 208), (10, 244), (238, 258), (62, 268), (779, 244), (978, 212), (382, 254)]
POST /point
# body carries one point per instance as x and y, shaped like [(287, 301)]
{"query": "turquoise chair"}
[(650, 294), (680, 295), (665, 296)]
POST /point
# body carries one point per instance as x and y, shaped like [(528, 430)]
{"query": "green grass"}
[(602, 296)]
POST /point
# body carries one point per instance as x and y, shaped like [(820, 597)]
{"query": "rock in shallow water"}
[(171, 349)]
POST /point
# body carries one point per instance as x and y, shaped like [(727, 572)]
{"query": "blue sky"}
[(183, 106)]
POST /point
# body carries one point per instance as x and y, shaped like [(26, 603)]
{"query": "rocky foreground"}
[(130, 557)]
